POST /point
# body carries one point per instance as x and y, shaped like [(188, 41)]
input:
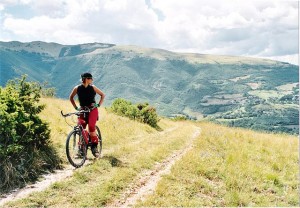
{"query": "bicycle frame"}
[(83, 131), (80, 122)]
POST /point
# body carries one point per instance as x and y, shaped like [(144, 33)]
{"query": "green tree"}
[(25, 147)]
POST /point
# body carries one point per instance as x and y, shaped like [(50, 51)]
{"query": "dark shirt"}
[(86, 95)]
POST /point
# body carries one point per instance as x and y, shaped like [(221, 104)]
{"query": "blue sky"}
[(256, 28)]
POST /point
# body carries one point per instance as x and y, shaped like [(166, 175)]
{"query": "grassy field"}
[(225, 167), (233, 167), (266, 94)]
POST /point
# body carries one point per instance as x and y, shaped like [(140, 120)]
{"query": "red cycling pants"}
[(91, 120)]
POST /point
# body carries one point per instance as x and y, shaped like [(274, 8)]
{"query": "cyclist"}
[(86, 93)]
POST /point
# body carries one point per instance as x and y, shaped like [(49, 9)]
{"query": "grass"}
[(266, 94), (233, 167), (225, 167), (108, 123), (128, 149)]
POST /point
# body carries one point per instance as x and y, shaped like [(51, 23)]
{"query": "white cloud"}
[(261, 28), (286, 58), (51, 8), (264, 28)]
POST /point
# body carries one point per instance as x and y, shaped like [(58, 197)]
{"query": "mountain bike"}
[(78, 140)]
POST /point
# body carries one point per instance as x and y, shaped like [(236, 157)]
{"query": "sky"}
[(253, 28)]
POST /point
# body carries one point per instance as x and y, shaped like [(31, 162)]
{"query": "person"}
[(86, 93)]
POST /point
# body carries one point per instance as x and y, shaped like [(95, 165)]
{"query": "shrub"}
[(180, 118), (121, 107), (47, 91), (25, 148), (141, 112)]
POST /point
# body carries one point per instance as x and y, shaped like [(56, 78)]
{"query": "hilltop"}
[(191, 164), (238, 91)]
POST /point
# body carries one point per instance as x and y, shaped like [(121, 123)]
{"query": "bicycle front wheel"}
[(76, 149)]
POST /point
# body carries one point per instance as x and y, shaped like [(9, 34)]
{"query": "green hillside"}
[(238, 91), (218, 166)]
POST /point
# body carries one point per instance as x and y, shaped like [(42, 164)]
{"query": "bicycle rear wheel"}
[(76, 149), (99, 146)]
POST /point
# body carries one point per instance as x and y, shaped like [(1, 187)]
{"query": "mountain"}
[(238, 91)]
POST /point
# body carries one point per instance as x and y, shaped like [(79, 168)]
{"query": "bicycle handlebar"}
[(78, 112)]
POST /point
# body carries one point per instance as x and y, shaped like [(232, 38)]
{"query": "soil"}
[(46, 181)]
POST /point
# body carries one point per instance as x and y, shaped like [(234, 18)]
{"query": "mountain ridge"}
[(36, 47), (239, 91)]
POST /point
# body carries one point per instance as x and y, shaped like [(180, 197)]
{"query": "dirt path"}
[(51, 178), (38, 186), (147, 182)]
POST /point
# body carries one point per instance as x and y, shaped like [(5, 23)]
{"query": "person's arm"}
[(99, 92), (71, 97)]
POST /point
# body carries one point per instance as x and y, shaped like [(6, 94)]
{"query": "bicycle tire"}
[(99, 146), (76, 149)]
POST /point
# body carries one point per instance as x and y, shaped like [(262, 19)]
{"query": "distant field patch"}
[(221, 99), (192, 113), (287, 87), (240, 78), (285, 106), (266, 94), (254, 85), (230, 96), (198, 86), (215, 101)]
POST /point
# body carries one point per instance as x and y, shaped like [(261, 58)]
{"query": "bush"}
[(180, 118), (47, 91), (141, 112), (25, 148)]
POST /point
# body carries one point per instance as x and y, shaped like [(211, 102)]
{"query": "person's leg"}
[(93, 116), (83, 121)]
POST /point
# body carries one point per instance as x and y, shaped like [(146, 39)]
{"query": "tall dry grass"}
[(233, 167)]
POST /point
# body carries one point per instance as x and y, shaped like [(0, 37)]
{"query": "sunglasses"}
[(89, 78)]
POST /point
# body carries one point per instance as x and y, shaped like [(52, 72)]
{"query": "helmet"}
[(86, 75)]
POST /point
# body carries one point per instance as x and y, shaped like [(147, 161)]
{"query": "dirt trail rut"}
[(148, 180)]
